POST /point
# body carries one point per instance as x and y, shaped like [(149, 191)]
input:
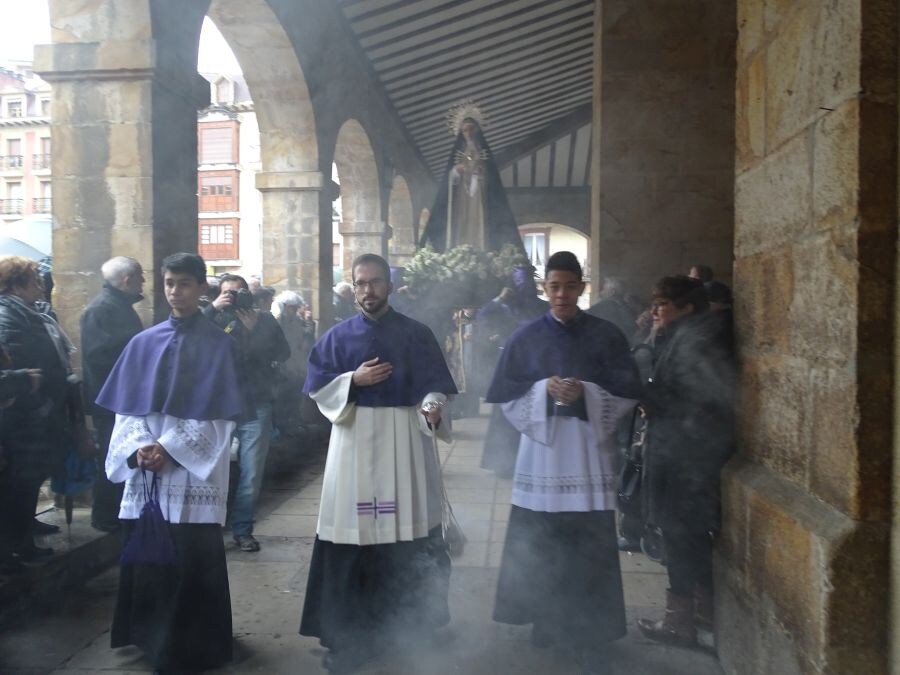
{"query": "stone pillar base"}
[(799, 585)]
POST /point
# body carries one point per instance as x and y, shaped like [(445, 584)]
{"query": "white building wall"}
[(250, 238)]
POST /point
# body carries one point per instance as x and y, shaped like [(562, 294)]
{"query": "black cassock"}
[(178, 615), (357, 595), (560, 570)]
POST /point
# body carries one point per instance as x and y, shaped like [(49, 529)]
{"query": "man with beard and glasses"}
[(379, 565), (565, 380)]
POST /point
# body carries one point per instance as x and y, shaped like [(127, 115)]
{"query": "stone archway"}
[(120, 71), (361, 227), (404, 235), (542, 239), (290, 181)]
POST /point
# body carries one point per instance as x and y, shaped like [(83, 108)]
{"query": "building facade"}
[(229, 205), (24, 144)]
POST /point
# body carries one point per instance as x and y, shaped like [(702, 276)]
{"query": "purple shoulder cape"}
[(419, 365), (186, 368), (586, 348)]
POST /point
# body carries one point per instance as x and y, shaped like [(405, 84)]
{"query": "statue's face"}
[(468, 129)]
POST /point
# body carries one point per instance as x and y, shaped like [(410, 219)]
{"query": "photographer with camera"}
[(261, 343)]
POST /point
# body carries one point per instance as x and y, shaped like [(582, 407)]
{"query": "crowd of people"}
[(183, 413)]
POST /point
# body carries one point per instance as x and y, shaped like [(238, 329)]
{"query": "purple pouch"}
[(150, 543)]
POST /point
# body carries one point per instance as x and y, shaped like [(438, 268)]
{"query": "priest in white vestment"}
[(379, 562)]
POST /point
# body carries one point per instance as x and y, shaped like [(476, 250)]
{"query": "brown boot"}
[(677, 626), (703, 608)]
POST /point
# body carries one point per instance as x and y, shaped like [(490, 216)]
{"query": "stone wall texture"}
[(803, 563), (666, 139), (122, 185)]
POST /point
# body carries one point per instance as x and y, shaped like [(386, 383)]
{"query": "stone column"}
[(124, 155), (292, 233), (363, 236), (402, 244), (803, 564), (663, 162)]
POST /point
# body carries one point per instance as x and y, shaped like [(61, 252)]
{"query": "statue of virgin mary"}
[(471, 205)]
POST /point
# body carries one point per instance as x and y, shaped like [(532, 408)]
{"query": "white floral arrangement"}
[(462, 275)]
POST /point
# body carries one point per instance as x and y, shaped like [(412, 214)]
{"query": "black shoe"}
[(246, 542), (9, 564), (109, 528), (32, 553), (626, 544), (41, 528)]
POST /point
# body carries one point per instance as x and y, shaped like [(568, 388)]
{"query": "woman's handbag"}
[(629, 489), (150, 543)]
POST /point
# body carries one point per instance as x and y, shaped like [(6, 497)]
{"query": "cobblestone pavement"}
[(267, 595)]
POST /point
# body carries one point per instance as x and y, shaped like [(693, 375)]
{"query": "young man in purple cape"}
[(564, 381), (379, 564), (176, 395)]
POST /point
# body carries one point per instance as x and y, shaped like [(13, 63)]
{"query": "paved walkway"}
[(267, 595)]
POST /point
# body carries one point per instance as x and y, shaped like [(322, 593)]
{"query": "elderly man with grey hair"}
[(612, 307), (107, 325), (344, 302)]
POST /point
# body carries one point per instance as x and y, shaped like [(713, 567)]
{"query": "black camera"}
[(241, 299)]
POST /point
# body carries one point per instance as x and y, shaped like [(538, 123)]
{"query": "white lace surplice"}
[(565, 463), (194, 492), (381, 483)]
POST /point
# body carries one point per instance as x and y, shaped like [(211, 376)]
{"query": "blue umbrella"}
[(36, 231), (10, 246)]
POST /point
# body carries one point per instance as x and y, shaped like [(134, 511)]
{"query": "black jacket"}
[(35, 425), (690, 409), (259, 349), (107, 325)]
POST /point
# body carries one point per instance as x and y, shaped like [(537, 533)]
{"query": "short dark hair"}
[(371, 259), (716, 291), (185, 263), (233, 277), (682, 290), (564, 261), (704, 272), (263, 292)]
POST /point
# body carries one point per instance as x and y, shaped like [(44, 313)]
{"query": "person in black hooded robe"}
[(471, 205)]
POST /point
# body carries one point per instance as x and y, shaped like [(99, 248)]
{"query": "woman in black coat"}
[(34, 426), (689, 403)]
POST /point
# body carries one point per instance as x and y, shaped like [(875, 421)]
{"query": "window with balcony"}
[(42, 204), (217, 145), (217, 193), (216, 185), (13, 157), (13, 204), (218, 240), (41, 160)]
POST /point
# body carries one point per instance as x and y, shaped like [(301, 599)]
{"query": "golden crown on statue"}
[(465, 109)]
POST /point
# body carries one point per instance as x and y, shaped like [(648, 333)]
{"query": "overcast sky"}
[(25, 23)]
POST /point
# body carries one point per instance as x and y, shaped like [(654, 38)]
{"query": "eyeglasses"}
[(371, 283)]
